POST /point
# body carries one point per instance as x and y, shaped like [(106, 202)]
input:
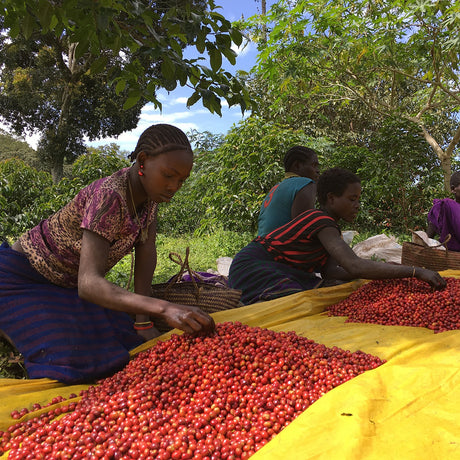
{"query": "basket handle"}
[(444, 243), (184, 265), (448, 237)]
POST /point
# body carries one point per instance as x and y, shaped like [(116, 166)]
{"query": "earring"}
[(141, 172)]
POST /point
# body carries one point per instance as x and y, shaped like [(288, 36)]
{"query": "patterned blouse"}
[(296, 243), (53, 247)]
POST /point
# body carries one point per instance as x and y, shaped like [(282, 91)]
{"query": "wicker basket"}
[(207, 296), (420, 255)]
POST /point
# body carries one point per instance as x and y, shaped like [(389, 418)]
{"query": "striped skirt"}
[(254, 271), (61, 336)]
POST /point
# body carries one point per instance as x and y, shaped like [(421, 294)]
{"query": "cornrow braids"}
[(161, 138), (297, 153)]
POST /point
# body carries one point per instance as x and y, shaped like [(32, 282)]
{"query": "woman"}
[(56, 306), (294, 194), (285, 261), (444, 217)]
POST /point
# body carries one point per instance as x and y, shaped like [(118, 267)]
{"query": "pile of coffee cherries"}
[(403, 302), (221, 396)]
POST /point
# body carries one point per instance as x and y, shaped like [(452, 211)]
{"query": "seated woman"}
[(285, 261), (444, 217), (294, 194)]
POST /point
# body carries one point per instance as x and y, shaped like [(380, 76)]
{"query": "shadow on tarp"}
[(406, 409)]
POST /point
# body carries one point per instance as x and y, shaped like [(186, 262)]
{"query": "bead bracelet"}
[(141, 326)]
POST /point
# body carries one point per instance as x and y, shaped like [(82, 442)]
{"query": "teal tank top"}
[(275, 210)]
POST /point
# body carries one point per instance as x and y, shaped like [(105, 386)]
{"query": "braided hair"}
[(335, 180), (298, 153), (161, 138)]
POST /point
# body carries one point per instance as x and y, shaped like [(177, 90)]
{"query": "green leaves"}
[(167, 68), (153, 31), (390, 58)]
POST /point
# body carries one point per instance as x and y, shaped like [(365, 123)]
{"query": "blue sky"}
[(174, 110)]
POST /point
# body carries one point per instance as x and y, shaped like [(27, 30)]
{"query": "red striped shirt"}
[(296, 243)]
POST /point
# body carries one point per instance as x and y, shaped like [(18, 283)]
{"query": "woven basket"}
[(209, 297), (420, 255)]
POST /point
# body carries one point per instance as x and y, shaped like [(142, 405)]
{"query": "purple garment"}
[(445, 218), (205, 277)]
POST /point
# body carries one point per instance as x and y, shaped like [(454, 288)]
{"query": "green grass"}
[(204, 252)]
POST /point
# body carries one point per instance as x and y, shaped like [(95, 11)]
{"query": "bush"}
[(22, 191), (230, 181), (28, 196)]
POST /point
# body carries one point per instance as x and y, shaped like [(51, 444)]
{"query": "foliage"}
[(398, 178), (45, 88), (21, 189), (11, 362), (184, 214), (27, 196), (390, 59)]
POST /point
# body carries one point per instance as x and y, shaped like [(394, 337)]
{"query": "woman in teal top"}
[(294, 194)]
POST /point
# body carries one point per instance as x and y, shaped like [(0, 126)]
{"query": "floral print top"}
[(53, 246)]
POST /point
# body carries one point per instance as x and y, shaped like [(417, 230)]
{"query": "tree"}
[(393, 59), (68, 66), (46, 88), (399, 179), (11, 147)]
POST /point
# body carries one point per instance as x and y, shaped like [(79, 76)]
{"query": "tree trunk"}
[(57, 170), (61, 133), (445, 156), (446, 166)]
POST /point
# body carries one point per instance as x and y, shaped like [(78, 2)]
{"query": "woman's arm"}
[(93, 286), (145, 263), (304, 200), (356, 267), (144, 268)]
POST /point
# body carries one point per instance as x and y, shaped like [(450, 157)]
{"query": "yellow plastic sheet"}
[(408, 408)]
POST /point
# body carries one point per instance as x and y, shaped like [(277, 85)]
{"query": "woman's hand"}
[(189, 319), (434, 279)]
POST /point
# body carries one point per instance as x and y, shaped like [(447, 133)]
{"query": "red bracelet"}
[(143, 326)]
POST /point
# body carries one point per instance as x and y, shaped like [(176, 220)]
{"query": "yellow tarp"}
[(408, 408)]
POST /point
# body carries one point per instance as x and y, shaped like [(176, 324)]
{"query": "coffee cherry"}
[(403, 302), (222, 396)]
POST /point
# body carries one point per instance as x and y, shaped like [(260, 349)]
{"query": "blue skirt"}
[(60, 336), (261, 278)]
